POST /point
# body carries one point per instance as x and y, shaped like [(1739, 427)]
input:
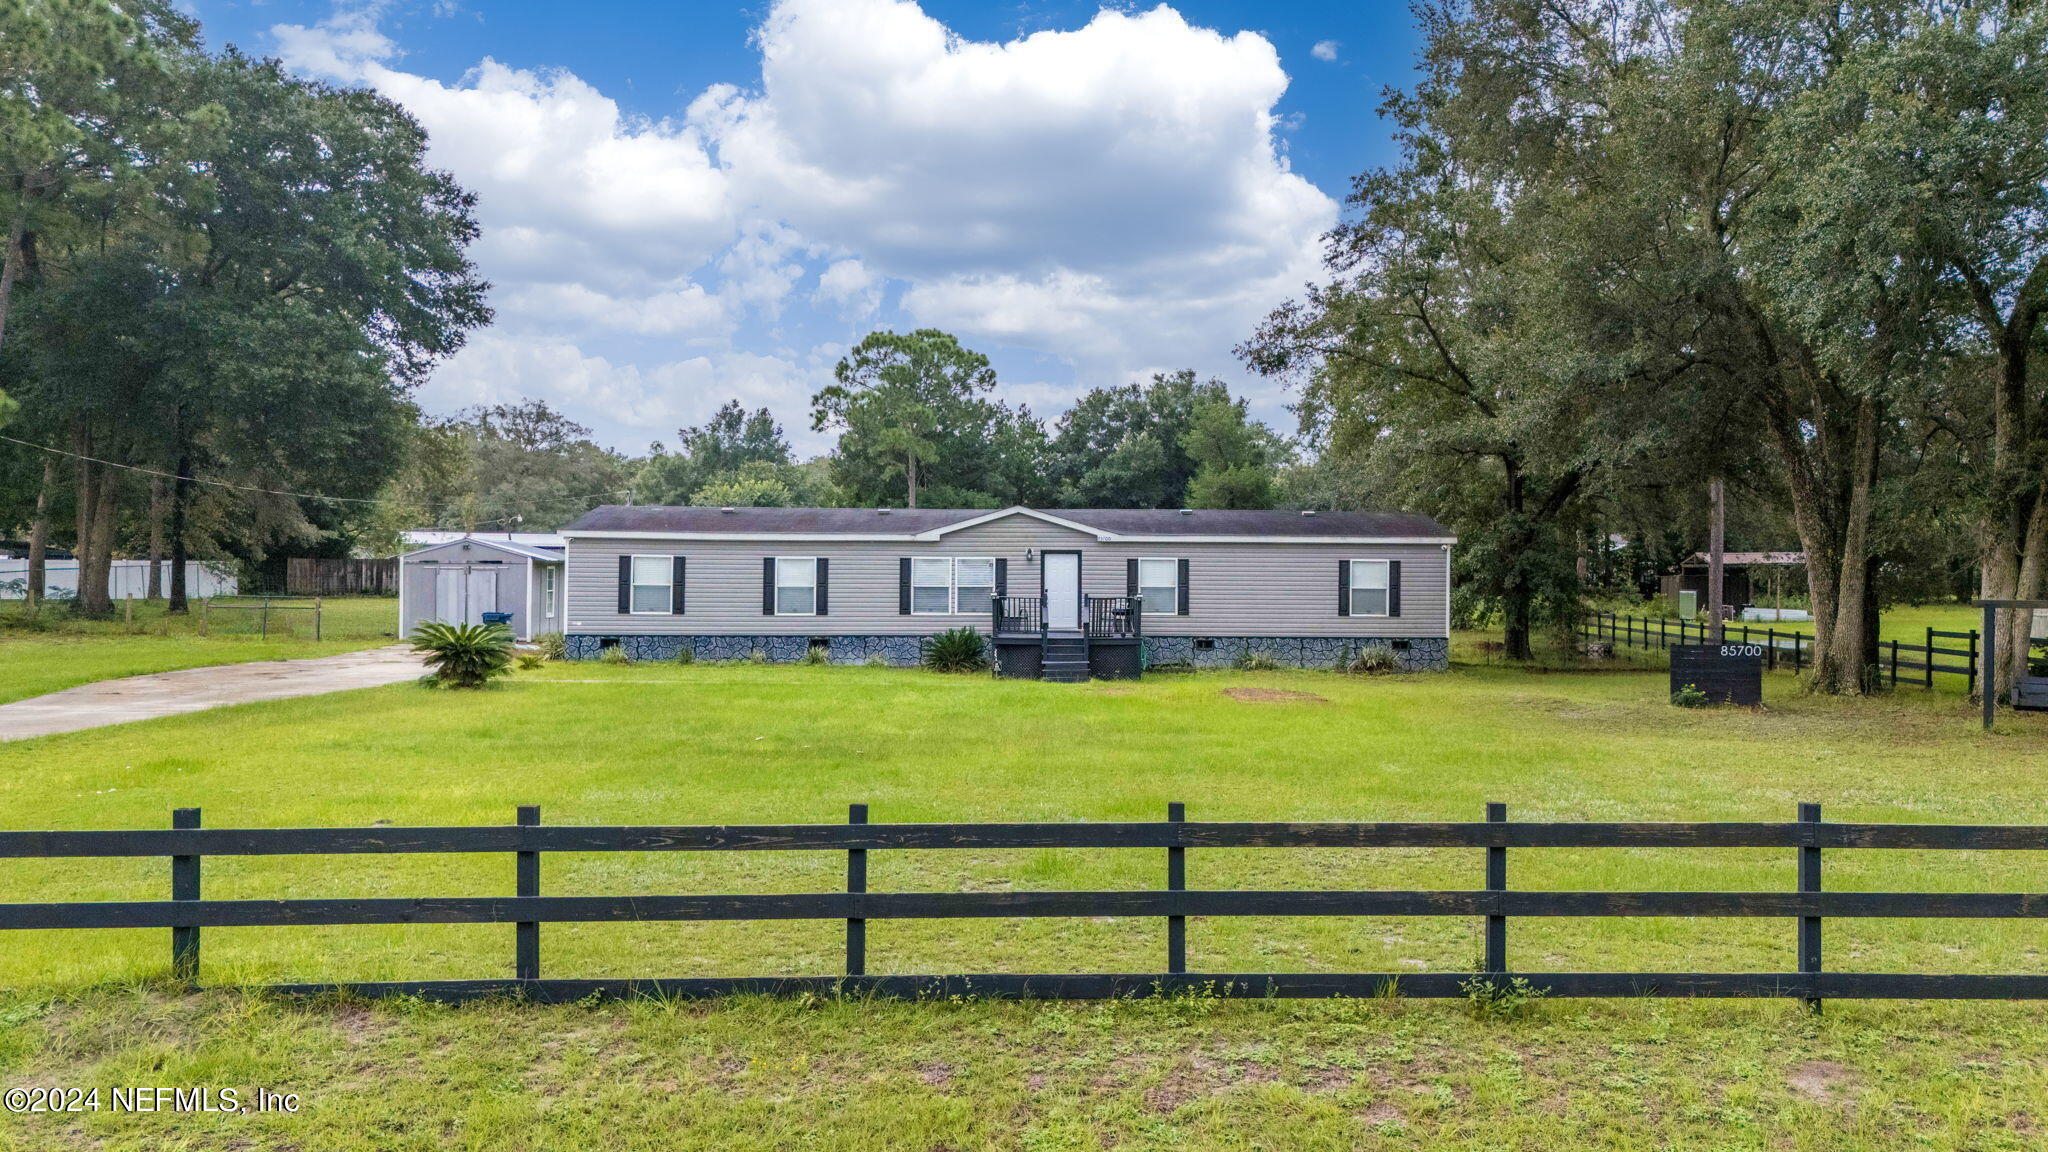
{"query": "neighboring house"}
[(465, 578), (1062, 593)]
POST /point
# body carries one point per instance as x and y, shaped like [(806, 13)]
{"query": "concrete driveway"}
[(196, 689)]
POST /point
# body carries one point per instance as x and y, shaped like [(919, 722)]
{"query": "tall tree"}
[(713, 453), (1138, 446)]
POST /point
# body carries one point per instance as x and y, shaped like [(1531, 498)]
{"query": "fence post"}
[(202, 615), (316, 618), (1895, 663), (185, 886), (1496, 881), (1771, 649), (526, 933), (128, 608), (1972, 684), (1809, 926), (266, 618), (856, 882), (1930, 656), (1176, 881)]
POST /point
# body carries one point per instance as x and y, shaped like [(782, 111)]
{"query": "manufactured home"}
[(467, 579), (1060, 594)]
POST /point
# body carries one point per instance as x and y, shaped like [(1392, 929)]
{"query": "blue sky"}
[(689, 202)]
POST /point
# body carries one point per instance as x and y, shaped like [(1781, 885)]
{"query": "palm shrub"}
[(553, 645), (463, 655), (1367, 661), (956, 650)]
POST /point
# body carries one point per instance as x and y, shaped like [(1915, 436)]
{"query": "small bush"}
[(817, 656), (956, 650), (616, 654), (463, 655), (686, 655), (553, 645), (878, 661), (1690, 696), (528, 661), (757, 656), (1370, 661), (1258, 662), (1510, 1001)]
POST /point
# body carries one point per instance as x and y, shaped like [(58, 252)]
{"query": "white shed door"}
[(448, 595), (483, 594)]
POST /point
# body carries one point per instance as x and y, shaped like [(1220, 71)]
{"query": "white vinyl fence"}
[(129, 578)]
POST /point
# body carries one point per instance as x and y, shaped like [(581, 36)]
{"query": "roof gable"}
[(906, 524)]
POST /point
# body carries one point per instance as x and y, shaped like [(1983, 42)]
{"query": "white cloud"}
[(1324, 50), (1103, 195), (1112, 196)]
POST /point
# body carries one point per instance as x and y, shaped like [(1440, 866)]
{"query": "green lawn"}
[(668, 744), (52, 651)]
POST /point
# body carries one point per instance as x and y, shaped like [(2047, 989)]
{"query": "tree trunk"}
[(1717, 608), (10, 265), (156, 538), (181, 500), (910, 474), (39, 535), (1831, 471)]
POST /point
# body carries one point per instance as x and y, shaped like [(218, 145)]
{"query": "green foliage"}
[(553, 645), (817, 656), (685, 656), (1255, 661), (614, 655), (463, 655), (917, 426), (530, 661), (1690, 696), (1370, 660), (1171, 443), (736, 458), (1490, 1000), (956, 650)]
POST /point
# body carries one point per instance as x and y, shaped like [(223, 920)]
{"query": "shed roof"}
[(552, 555), (1114, 522)]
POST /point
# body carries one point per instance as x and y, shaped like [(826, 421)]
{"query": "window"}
[(940, 585), (1159, 586), (1369, 584), (796, 586), (931, 586), (653, 591), (547, 591), (974, 581)]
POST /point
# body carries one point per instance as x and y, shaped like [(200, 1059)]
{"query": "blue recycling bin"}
[(504, 618)]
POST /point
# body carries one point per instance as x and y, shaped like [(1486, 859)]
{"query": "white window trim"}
[(991, 585), (633, 583), (1171, 560), (548, 589), (914, 586), (779, 585), (1352, 590)]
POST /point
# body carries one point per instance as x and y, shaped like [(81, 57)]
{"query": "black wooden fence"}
[(186, 914), (1912, 665)]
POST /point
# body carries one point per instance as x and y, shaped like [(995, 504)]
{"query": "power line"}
[(268, 491)]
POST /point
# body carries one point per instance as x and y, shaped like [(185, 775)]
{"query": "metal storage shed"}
[(460, 580)]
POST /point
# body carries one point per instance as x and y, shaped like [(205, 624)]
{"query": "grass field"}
[(51, 651), (653, 744)]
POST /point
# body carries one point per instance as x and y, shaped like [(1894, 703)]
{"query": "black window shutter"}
[(767, 585), (675, 586), (903, 586), (1131, 577), (1343, 587), (824, 587), (1183, 582), (625, 584), (1394, 588), (1002, 577)]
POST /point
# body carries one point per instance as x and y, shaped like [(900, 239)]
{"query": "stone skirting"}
[(1421, 654)]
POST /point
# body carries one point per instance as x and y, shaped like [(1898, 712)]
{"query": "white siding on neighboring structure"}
[(1235, 589)]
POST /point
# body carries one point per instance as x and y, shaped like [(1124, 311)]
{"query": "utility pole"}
[(1716, 546)]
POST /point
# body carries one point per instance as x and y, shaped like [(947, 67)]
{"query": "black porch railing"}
[(1018, 616), (1115, 618)]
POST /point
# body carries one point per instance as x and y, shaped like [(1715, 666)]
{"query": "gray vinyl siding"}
[(1235, 589)]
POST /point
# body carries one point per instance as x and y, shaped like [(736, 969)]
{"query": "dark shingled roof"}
[(908, 521)]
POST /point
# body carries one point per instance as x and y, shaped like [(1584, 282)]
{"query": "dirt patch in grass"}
[(1273, 696), (1821, 1081)]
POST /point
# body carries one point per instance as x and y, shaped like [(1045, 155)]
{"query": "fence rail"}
[(1786, 648), (187, 844)]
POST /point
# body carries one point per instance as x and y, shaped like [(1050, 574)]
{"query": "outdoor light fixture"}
[(1031, 555)]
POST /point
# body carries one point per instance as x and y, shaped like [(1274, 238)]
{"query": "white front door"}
[(1062, 590), (448, 595)]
